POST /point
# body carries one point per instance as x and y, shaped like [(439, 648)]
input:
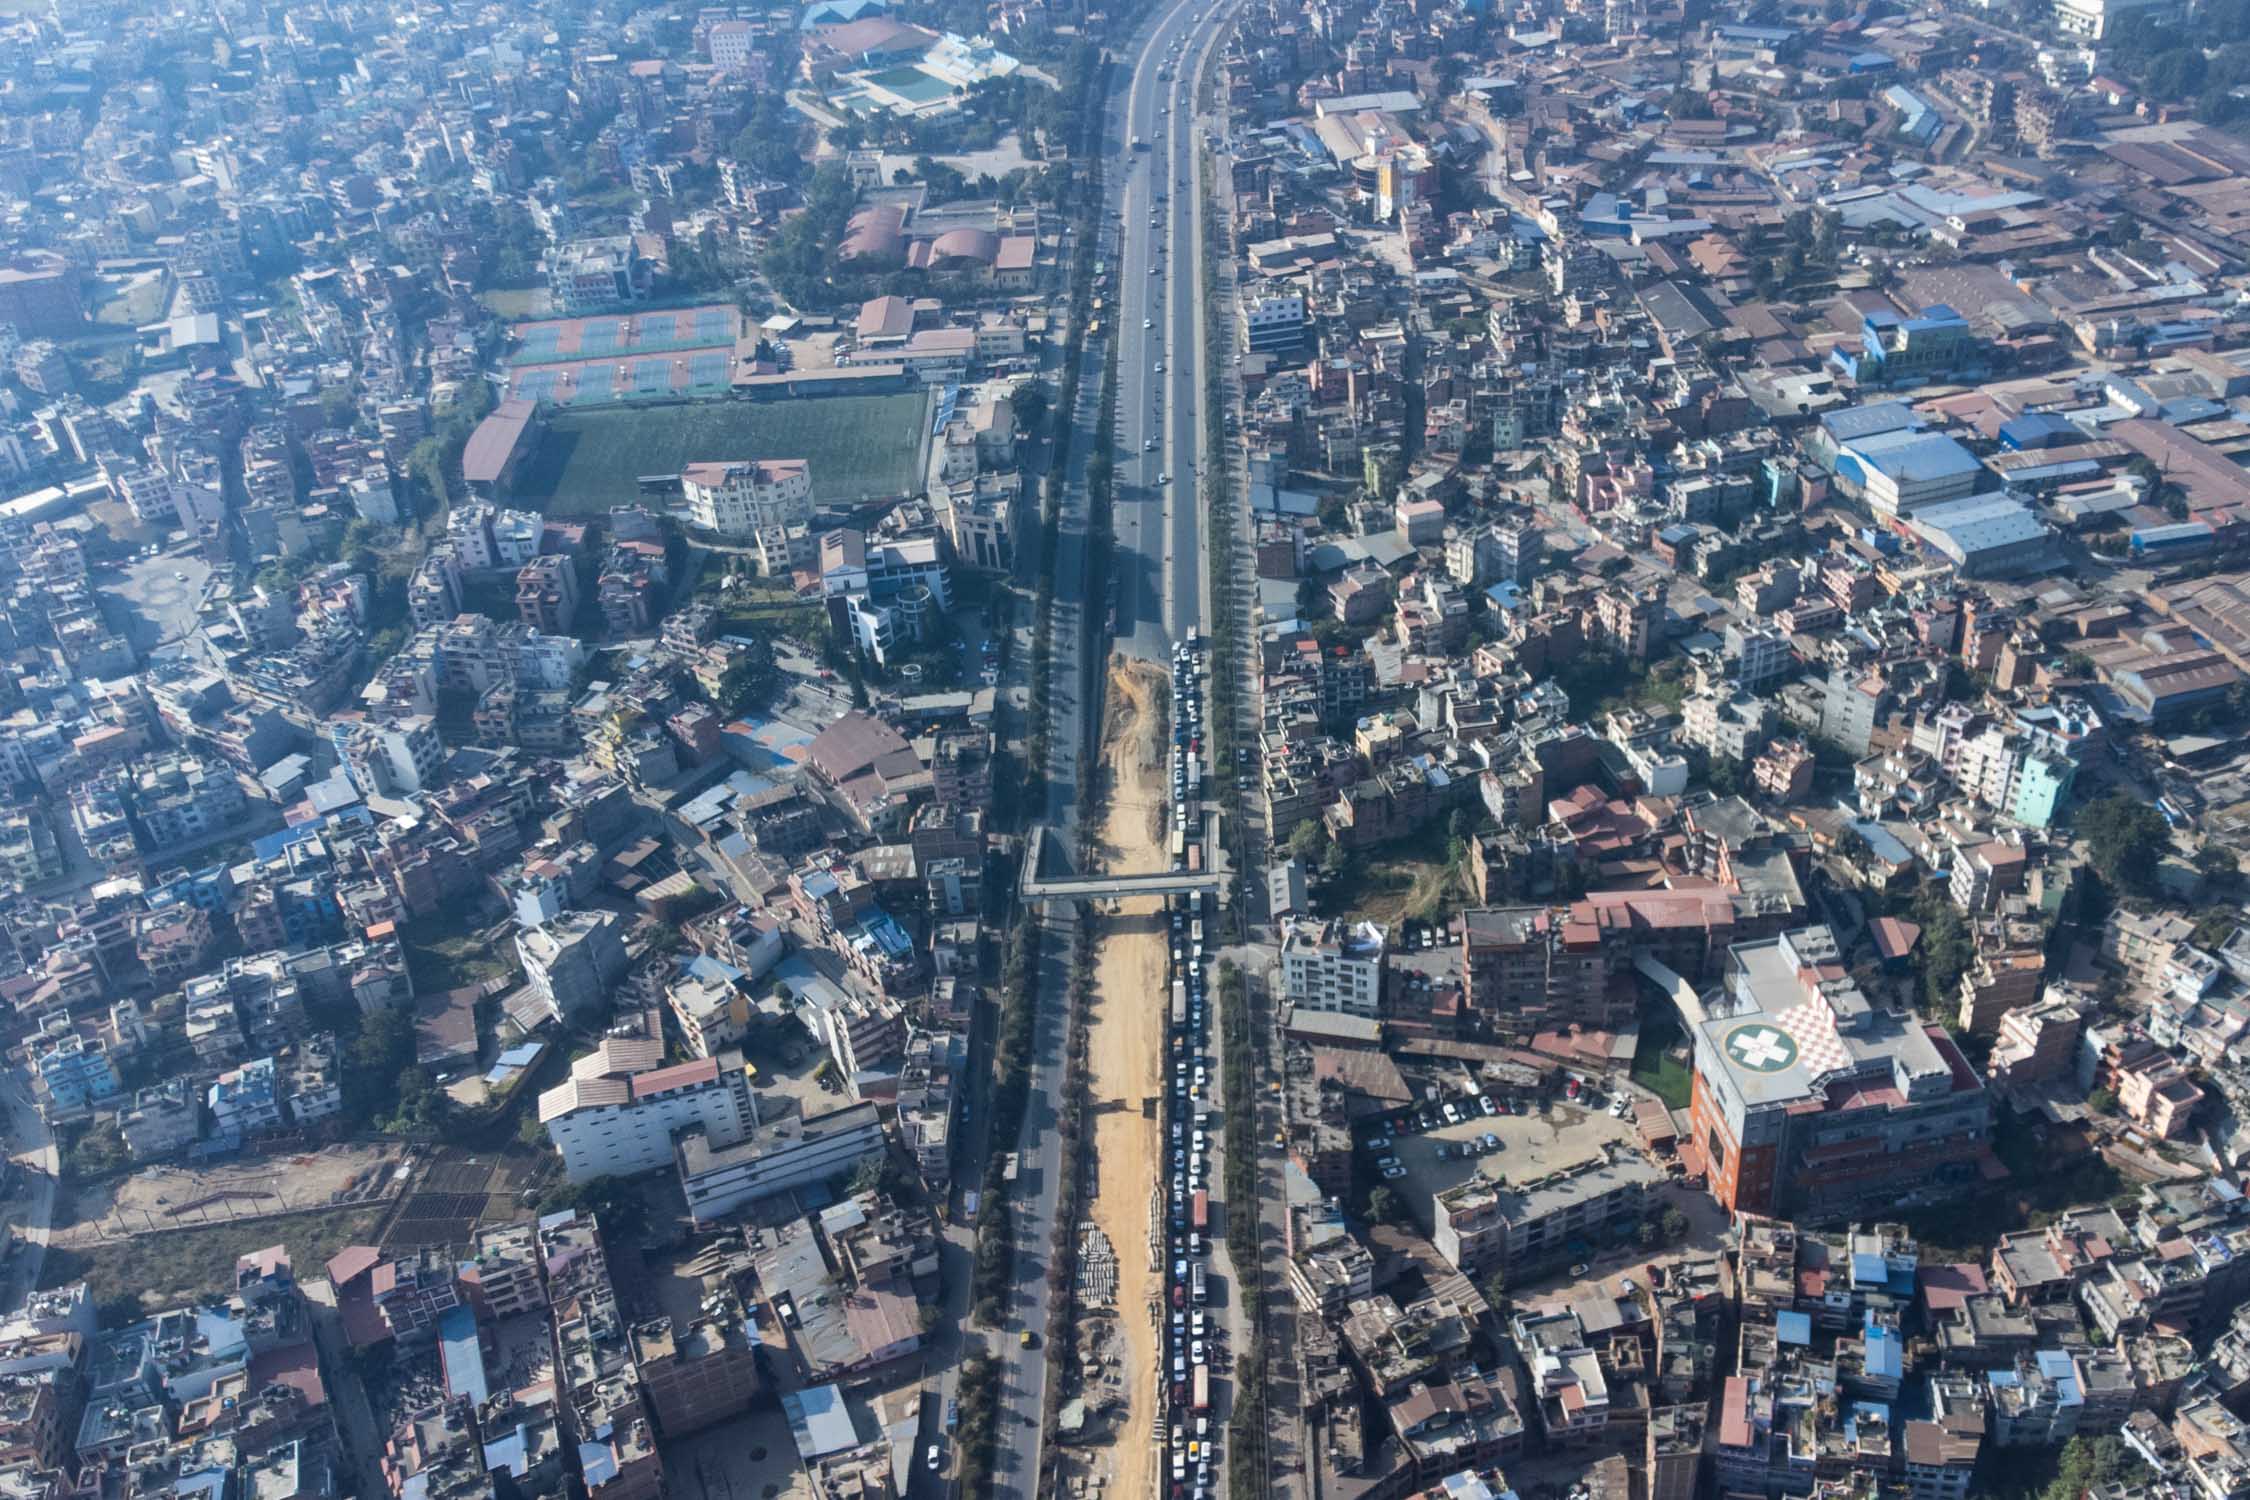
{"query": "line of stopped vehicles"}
[(1192, 1339)]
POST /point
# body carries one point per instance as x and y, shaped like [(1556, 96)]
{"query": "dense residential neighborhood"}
[(882, 749)]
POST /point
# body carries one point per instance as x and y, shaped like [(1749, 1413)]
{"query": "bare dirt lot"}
[(1127, 1041), (178, 1197)]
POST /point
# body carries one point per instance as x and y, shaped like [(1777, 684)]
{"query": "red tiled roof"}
[(350, 1263), (678, 1076)]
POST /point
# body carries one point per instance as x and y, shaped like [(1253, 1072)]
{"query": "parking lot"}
[(153, 599), (1560, 1135)]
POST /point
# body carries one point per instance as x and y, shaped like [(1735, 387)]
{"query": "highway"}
[(1157, 596), (1159, 216)]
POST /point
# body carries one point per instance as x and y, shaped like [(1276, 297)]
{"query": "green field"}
[(860, 447)]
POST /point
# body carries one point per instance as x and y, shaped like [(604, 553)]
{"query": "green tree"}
[(1308, 841), (749, 679), (2087, 1462), (2125, 840), (1383, 1207), (2102, 1101), (1946, 947), (614, 1202)]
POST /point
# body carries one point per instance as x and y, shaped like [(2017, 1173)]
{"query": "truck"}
[(1139, 144), (1202, 1388), (1197, 1288), (1179, 1002), (1195, 932), (1194, 775), (1179, 842), (1194, 858), (1199, 1218)]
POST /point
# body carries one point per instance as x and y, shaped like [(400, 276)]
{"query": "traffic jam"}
[(1191, 1335)]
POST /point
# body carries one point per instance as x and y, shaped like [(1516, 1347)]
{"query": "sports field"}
[(860, 447)]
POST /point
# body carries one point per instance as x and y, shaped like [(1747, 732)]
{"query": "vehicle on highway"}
[(1159, 370), (934, 1459), (1148, 322)]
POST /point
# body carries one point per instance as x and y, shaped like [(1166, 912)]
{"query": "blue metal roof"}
[(463, 1355)]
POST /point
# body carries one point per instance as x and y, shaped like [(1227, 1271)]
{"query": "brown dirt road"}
[(1127, 1038)]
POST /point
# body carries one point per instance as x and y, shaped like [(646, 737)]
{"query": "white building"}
[(412, 751), (1273, 321), (589, 275), (1332, 966), (1735, 725), (2094, 19), (738, 498), (618, 1112), (789, 1153)]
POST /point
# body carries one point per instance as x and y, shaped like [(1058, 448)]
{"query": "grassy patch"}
[(195, 1265), (1392, 884), (860, 447), (1665, 1077), (515, 301), (2047, 1175), (449, 953), (142, 302)]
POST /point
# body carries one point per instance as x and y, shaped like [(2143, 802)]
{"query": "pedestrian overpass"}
[(1038, 887)]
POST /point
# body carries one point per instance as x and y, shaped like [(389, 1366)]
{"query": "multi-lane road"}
[(1156, 201), (1158, 593)]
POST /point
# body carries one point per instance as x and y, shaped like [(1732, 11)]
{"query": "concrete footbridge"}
[(1037, 887)]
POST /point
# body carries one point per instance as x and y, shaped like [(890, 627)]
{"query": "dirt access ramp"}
[(1125, 1056)]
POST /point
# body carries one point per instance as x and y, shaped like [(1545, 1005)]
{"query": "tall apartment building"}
[(739, 498), (1334, 966), (547, 594), (75, 1072), (1529, 968), (502, 1271), (591, 274), (618, 1111), (781, 1155), (698, 1373), (1273, 322)]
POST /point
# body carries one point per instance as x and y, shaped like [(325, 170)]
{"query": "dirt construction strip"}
[(1125, 1055)]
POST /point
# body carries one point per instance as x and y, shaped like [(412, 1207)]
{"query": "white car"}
[(1148, 322), (1160, 367)]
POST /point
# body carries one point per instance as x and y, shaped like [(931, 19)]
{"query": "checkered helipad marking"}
[(1813, 1026), (1761, 1047)]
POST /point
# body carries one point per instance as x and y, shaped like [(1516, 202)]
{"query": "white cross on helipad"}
[(1762, 1047)]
